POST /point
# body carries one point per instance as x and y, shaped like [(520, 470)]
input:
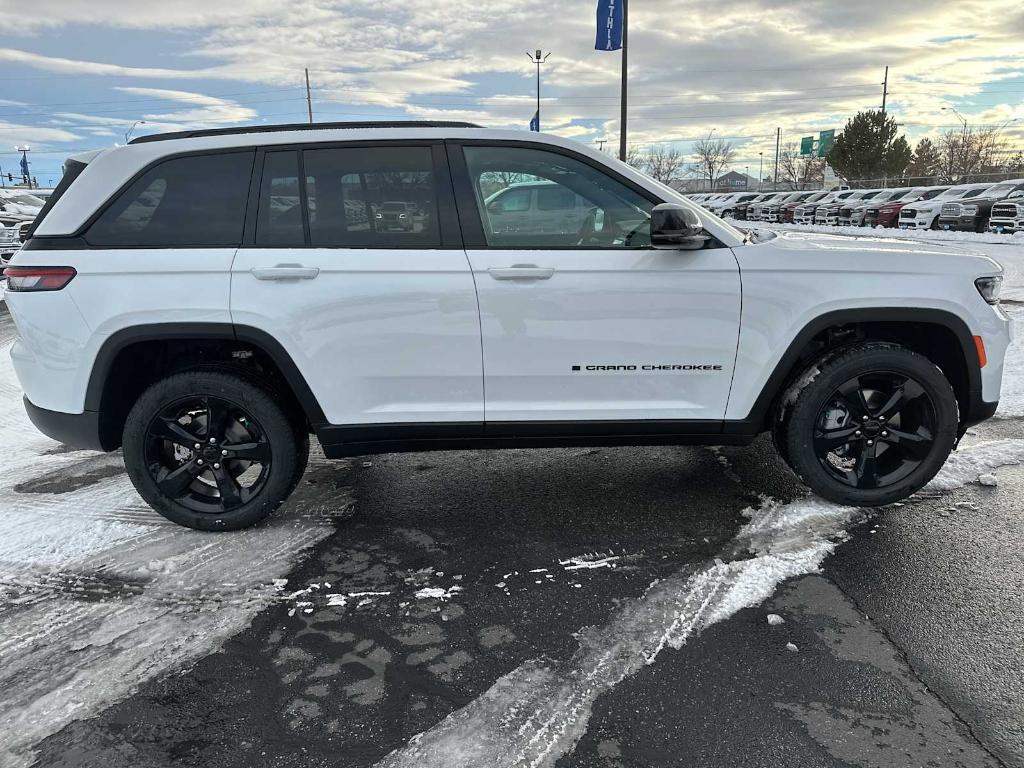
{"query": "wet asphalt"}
[(908, 645)]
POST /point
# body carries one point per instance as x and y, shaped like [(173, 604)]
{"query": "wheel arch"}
[(940, 335), (118, 376)]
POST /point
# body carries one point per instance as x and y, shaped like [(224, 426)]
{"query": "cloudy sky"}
[(76, 74)]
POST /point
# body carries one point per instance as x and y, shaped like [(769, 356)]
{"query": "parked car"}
[(1008, 215), (924, 214), (10, 242), (19, 201), (972, 215), (755, 211), (741, 209), (790, 209), (727, 208), (805, 212), (865, 359), (887, 214), (553, 207), (828, 213), (851, 213), (773, 212)]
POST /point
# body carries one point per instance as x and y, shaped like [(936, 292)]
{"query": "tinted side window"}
[(187, 201), (582, 206), (279, 218), (372, 197)]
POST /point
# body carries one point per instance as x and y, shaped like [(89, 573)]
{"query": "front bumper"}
[(1000, 225), (958, 223)]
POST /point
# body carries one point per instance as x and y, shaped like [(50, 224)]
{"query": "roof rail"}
[(300, 127)]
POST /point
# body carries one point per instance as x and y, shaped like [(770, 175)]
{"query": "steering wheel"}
[(588, 234)]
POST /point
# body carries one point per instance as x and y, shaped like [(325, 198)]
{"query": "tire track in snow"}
[(538, 712)]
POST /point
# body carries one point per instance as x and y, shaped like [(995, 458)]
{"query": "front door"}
[(354, 264), (586, 321)]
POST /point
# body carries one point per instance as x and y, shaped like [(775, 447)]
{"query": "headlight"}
[(989, 288), (968, 210)]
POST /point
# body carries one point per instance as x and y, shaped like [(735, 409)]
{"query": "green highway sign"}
[(825, 141), (806, 146)]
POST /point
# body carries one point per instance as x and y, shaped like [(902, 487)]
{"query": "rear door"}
[(588, 322), (379, 316)]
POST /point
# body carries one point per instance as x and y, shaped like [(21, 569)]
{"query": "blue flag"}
[(24, 165), (535, 122), (609, 25)]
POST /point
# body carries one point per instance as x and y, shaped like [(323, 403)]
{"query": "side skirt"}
[(364, 440)]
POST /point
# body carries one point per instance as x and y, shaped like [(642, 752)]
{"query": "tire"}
[(868, 425), (227, 416)]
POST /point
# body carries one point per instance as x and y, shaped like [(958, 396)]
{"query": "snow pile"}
[(536, 714)]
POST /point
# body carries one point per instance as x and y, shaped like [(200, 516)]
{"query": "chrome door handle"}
[(285, 272), (521, 272)]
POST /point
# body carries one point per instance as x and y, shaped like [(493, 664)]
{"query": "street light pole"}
[(760, 169), (539, 58), (128, 133)]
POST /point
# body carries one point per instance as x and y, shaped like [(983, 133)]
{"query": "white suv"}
[(209, 299)]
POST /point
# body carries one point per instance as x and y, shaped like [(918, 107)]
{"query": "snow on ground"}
[(535, 714), (100, 594)]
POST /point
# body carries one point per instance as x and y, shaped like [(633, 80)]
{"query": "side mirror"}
[(496, 207), (675, 226)]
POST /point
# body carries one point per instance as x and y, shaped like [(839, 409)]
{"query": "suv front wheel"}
[(212, 451), (869, 425)]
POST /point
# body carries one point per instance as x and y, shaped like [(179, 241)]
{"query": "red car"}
[(888, 214)]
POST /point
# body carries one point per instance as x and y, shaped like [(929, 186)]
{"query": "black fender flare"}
[(242, 334)]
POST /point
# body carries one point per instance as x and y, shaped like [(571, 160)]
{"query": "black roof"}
[(300, 127)]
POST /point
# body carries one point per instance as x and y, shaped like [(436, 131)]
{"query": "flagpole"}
[(625, 60)]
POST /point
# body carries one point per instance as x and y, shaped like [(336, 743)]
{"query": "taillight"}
[(38, 278)]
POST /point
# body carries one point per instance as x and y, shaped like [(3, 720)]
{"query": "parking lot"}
[(584, 607)]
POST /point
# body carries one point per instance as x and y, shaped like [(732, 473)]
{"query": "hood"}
[(876, 254)]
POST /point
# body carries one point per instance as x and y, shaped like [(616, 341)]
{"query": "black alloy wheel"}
[(207, 454), (875, 430)]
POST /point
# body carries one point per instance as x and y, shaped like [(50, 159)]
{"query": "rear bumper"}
[(77, 430)]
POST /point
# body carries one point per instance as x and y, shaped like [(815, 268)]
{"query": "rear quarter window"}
[(196, 200)]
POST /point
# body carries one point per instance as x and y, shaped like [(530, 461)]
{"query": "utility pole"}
[(625, 80), (309, 98), (778, 139), (539, 58), (600, 144), (760, 170), (885, 89)]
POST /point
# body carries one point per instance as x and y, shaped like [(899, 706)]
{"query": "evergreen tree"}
[(926, 162), (868, 149)]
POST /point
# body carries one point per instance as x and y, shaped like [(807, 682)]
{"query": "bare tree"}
[(798, 171), (713, 157), (636, 157), (663, 164), (968, 152)]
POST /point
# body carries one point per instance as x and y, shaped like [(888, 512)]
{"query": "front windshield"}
[(973, 192), (1000, 190), (817, 196)]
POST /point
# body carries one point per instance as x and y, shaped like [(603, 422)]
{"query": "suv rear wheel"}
[(870, 425), (212, 451)]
